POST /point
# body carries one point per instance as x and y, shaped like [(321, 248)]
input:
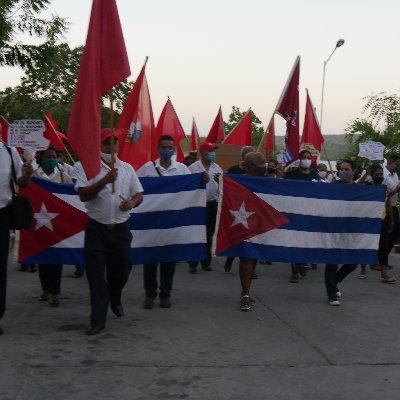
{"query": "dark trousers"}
[(394, 235), (333, 276), (50, 277), (383, 254), (4, 242), (167, 272), (108, 264)]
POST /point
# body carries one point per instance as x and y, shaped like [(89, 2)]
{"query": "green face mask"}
[(49, 163)]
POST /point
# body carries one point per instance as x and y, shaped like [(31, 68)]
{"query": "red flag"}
[(217, 132), (243, 215), (137, 123), (270, 138), (288, 108), (51, 133), (169, 124), (4, 129), (241, 133), (104, 63), (311, 130), (194, 137)]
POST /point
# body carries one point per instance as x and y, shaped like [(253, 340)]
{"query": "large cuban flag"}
[(297, 221), (169, 225)]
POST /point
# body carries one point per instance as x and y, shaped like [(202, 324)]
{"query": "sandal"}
[(391, 279), (361, 276)]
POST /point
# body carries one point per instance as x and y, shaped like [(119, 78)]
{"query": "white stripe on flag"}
[(324, 207), (72, 199), (74, 242), (312, 240), (162, 237)]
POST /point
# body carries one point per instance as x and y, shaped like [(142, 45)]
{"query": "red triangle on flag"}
[(243, 215), (241, 134), (54, 221)]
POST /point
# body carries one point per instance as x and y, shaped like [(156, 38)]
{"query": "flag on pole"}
[(288, 108), (52, 134), (270, 138), (217, 132), (4, 129), (169, 225), (241, 134), (104, 63), (311, 131), (136, 124), (293, 221), (194, 137), (169, 124)]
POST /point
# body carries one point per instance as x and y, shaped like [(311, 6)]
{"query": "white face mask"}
[(322, 174), (305, 163), (106, 157)]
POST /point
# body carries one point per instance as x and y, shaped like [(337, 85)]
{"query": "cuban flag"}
[(169, 225), (297, 221)]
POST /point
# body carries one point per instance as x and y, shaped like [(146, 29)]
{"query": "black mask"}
[(378, 180), (260, 171)]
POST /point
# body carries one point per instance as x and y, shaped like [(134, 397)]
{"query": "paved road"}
[(292, 345)]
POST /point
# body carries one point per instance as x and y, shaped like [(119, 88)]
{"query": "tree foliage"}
[(23, 16), (51, 88), (381, 123), (256, 127)]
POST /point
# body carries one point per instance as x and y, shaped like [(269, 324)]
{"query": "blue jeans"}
[(333, 276)]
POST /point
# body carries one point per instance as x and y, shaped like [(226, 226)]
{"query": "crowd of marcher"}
[(110, 196)]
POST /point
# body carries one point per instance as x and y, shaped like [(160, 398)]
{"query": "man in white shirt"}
[(109, 198), (213, 171), (391, 180), (163, 166), (23, 172)]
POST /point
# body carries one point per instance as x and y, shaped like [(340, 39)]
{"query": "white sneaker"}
[(334, 302)]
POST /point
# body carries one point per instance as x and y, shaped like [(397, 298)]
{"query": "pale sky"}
[(231, 52)]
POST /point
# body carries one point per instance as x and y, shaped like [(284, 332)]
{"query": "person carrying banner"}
[(50, 274), (254, 165), (163, 166), (333, 275), (109, 198), (213, 171), (23, 172)]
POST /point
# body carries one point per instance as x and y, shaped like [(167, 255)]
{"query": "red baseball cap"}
[(207, 146), (106, 133)]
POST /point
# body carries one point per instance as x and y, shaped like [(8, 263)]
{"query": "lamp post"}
[(339, 43)]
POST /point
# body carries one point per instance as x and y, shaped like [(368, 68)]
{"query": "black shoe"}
[(79, 272), (118, 310), (165, 302), (227, 266), (94, 330), (206, 268), (254, 276), (32, 268), (192, 268)]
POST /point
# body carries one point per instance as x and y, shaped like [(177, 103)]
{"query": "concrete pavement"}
[(291, 345)]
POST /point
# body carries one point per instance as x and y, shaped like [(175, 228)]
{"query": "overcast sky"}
[(231, 52)]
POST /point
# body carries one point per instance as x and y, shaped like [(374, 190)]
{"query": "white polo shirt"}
[(391, 180), (150, 169), (104, 208), (6, 175), (212, 189)]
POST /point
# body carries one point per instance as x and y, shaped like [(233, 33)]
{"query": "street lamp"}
[(339, 43)]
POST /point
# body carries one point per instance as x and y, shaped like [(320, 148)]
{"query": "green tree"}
[(256, 127), (23, 16), (381, 123), (51, 88)]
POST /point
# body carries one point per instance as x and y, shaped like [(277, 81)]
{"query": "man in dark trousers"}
[(109, 198)]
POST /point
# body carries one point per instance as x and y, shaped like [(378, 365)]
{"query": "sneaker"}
[(165, 302), (245, 303), (338, 294), (294, 278), (334, 302), (206, 268), (252, 302), (148, 303)]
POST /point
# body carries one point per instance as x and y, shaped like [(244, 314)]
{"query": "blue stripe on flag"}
[(54, 255), (53, 187), (167, 219)]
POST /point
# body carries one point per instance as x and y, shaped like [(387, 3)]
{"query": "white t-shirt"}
[(104, 208), (212, 190), (149, 169), (6, 175), (391, 180)]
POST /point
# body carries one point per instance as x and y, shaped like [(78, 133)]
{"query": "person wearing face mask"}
[(302, 173), (333, 275), (323, 174), (163, 166), (109, 198), (212, 171), (50, 274)]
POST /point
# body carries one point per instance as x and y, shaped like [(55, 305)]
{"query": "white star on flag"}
[(43, 218), (241, 216)]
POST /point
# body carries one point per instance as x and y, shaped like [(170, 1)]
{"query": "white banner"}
[(371, 150), (28, 134)]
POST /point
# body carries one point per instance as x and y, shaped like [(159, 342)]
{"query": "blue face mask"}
[(165, 154), (211, 155)]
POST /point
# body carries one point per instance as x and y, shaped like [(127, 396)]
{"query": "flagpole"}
[(58, 137), (327, 158), (110, 93)]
